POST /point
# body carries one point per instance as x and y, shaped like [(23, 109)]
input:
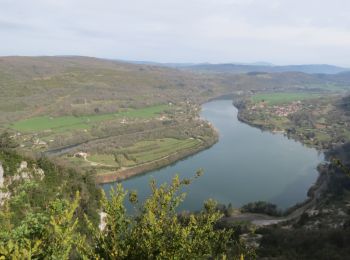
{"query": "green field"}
[(63, 123), (106, 159), (282, 98), (145, 151)]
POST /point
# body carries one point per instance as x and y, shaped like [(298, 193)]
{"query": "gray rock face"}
[(23, 173), (1, 176), (3, 194)]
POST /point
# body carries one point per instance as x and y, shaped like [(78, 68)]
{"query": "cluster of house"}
[(38, 142), (281, 111), (258, 106), (284, 111), (81, 155)]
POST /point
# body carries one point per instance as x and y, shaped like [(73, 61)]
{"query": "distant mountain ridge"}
[(263, 67), (237, 68)]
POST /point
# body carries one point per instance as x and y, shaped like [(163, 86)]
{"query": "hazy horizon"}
[(281, 32), (258, 63)]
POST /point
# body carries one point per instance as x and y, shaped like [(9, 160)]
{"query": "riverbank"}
[(286, 133), (233, 171), (316, 192)]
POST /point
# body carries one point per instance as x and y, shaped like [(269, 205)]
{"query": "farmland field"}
[(281, 98), (144, 151), (63, 123)]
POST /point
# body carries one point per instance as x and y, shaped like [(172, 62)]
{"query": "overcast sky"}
[(277, 31)]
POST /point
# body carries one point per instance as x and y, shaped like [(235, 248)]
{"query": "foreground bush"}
[(156, 231), (41, 220)]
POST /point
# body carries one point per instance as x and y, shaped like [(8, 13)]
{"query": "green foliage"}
[(10, 161), (156, 231), (6, 142), (62, 236), (40, 217), (50, 234), (262, 207), (14, 250), (339, 164), (54, 217), (305, 244), (227, 210)]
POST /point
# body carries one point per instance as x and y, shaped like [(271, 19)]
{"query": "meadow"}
[(282, 98), (63, 123)]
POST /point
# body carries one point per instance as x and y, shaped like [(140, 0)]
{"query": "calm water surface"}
[(245, 165)]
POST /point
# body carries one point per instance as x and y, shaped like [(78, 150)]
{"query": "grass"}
[(63, 123), (282, 98), (146, 151), (323, 137), (332, 87), (107, 159)]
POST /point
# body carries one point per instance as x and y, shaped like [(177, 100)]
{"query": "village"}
[(277, 110)]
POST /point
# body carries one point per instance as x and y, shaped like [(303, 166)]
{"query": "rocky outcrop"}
[(3, 193), (103, 221), (1, 175), (23, 173)]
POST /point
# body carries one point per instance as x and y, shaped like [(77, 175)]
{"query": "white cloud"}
[(280, 31)]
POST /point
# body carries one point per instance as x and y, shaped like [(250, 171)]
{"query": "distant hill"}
[(69, 85), (241, 68), (238, 68), (61, 85), (192, 64)]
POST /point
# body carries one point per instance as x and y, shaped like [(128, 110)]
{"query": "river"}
[(246, 165)]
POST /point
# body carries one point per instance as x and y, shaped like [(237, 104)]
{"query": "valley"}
[(209, 130), (104, 122)]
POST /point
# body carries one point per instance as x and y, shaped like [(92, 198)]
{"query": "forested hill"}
[(74, 85), (32, 86)]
